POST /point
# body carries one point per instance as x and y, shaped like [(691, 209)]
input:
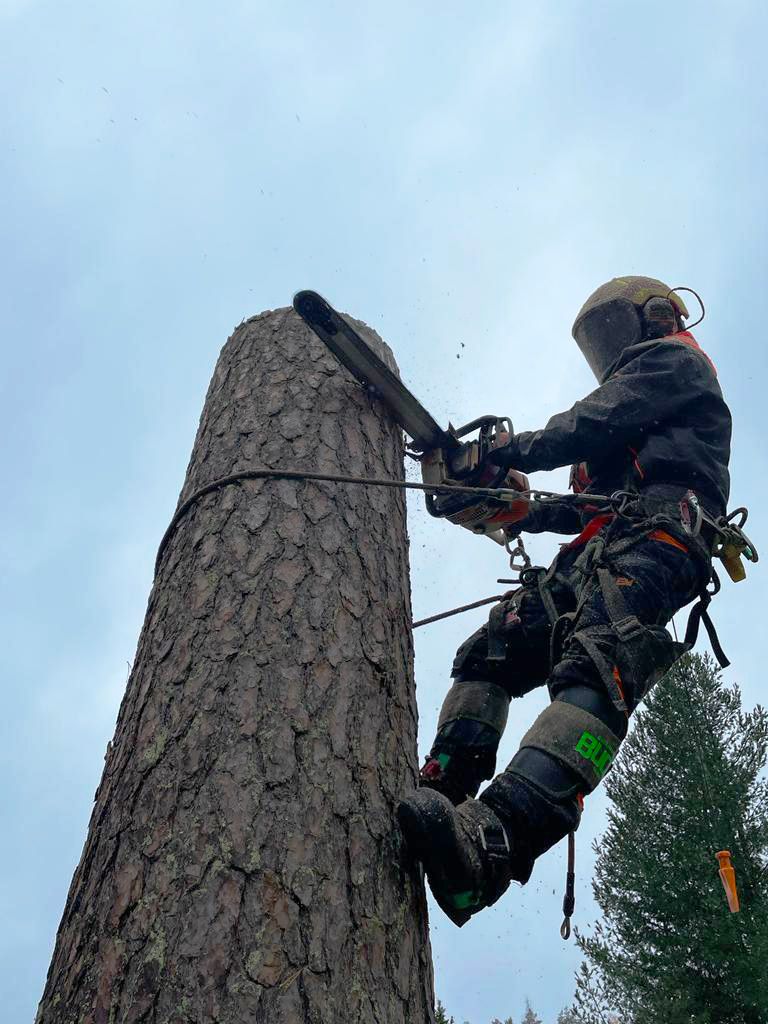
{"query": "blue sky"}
[(451, 173)]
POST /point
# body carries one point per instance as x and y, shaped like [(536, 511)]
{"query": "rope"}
[(500, 493), (569, 900), (458, 611)]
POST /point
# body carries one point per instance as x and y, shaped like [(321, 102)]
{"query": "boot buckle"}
[(494, 841)]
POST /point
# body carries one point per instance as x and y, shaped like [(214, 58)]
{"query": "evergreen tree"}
[(530, 1017), (687, 784), (441, 1017), (593, 1003), (567, 1016)]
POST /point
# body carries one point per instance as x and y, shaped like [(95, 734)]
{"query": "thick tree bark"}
[(242, 863)]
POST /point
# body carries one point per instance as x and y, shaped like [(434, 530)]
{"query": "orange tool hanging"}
[(728, 878)]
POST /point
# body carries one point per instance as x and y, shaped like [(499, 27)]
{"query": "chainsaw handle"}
[(501, 424), (491, 429)]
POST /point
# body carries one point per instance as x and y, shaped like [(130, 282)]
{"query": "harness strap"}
[(497, 642), (545, 593), (560, 631), (601, 663), (625, 625), (589, 563), (700, 614)]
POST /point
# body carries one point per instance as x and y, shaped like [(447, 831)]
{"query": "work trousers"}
[(592, 629)]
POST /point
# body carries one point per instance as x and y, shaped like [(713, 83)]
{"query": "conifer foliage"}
[(530, 1017), (441, 1017), (687, 784), (567, 1017)]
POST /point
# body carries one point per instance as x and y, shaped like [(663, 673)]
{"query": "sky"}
[(461, 176)]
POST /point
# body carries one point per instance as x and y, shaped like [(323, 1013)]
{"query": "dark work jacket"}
[(659, 424)]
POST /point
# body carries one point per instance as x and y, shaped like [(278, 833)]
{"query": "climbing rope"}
[(500, 493), (731, 544), (458, 611)]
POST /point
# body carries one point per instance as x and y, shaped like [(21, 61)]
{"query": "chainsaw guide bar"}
[(356, 354)]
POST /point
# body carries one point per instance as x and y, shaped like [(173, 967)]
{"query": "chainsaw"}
[(447, 456)]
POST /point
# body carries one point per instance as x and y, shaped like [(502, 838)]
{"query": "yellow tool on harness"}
[(732, 545), (731, 559)]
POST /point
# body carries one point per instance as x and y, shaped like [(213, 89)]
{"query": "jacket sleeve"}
[(650, 387), (551, 517)]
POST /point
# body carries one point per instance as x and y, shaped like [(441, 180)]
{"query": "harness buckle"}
[(628, 627), (691, 514)]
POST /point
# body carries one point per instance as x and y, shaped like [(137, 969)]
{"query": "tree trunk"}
[(242, 863)]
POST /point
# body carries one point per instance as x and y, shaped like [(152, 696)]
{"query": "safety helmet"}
[(621, 313)]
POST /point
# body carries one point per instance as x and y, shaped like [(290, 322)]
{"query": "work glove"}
[(506, 455)]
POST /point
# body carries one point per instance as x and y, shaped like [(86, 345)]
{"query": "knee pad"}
[(478, 701), (563, 756), (582, 732)]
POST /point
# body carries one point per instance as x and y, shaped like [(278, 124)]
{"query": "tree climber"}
[(592, 626)]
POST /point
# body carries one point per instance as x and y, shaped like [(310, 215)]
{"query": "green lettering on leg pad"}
[(597, 751)]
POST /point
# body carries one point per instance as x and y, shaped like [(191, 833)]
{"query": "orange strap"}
[(593, 526), (667, 538), (688, 339)]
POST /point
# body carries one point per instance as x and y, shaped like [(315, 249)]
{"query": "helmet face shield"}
[(611, 319), (602, 333)]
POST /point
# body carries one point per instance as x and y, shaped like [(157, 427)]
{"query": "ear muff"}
[(660, 319), (612, 319)]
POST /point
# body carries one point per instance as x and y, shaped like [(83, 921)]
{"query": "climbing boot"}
[(467, 854)]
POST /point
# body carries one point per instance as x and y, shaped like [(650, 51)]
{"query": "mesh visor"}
[(604, 331)]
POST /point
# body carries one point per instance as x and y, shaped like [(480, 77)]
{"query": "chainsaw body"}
[(466, 465)]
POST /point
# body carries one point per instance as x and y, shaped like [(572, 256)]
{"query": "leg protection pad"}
[(576, 738), (565, 753), (471, 722), (479, 701)]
